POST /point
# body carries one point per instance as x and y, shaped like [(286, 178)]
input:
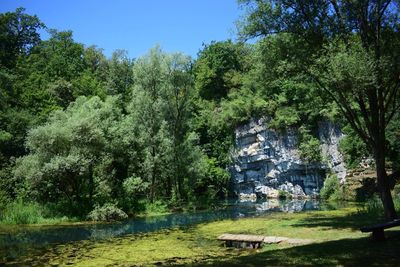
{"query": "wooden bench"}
[(254, 241), (378, 229)]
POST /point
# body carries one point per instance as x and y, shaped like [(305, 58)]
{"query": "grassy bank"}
[(337, 241)]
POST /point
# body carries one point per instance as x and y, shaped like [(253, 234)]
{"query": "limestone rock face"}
[(330, 136), (266, 191), (265, 161)]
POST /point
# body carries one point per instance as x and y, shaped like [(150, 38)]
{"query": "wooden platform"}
[(254, 241)]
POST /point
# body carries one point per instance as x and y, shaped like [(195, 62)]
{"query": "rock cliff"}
[(265, 161)]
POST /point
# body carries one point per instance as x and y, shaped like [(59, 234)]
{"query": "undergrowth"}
[(20, 212)]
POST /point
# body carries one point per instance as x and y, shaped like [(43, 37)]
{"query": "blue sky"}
[(137, 25)]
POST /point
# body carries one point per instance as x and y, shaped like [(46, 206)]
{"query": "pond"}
[(23, 239)]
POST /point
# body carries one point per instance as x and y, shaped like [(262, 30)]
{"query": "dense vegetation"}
[(82, 134)]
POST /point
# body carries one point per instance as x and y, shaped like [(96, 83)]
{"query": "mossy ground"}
[(338, 242)]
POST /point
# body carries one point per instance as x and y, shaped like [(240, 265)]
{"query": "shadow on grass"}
[(344, 252), (354, 220)]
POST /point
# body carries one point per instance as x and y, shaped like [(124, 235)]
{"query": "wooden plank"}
[(241, 238)]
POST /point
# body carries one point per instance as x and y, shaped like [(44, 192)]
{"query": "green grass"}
[(338, 242), (20, 212)]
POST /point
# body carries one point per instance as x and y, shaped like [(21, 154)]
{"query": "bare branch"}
[(384, 9)]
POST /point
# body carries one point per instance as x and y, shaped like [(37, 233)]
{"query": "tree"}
[(216, 67), (69, 153), (18, 35), (361, 74), (160, 111), (148, 111), (120, 75)]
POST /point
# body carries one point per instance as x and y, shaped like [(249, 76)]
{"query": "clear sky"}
[(137, 25)]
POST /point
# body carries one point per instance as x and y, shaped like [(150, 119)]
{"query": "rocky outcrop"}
[(266, 161), (330, 136)]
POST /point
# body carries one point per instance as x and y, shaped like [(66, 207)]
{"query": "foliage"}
[(134, 185), (218, 69), (213, 182), (66, 151), (352, 57), (331, 189), (373, 206), (79, 130), (19, 34), (156, 208), (310, 147), (107, 213), (20, 212), (160, 111), (352, 147)]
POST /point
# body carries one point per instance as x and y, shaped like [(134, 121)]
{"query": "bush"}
[(309, 146), (331, 189), (107, 213), (157, 207)]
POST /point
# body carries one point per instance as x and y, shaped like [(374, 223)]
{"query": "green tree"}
[(18, 35), (365, 85), (147, 108), (119, 75), (161, 111), (67, 152), (217, 69)]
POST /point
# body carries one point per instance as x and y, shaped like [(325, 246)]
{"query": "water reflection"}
[(34, 237), (296, 205)]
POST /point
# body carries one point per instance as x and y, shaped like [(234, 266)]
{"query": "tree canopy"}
[(86, 134), (354, 61)]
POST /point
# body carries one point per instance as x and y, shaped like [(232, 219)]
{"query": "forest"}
[(87, 137)]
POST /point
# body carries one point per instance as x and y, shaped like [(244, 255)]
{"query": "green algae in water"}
[(96, 242), (195, 244), (175, 246)]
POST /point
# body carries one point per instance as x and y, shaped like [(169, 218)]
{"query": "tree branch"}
[(384, 9), (346, 111)]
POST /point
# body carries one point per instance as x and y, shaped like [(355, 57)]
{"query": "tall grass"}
[(374, 207), (20, 212)]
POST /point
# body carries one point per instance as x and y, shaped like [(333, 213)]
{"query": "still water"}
[(23, 239)]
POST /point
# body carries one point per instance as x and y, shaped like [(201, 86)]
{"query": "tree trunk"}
[(383, 184)]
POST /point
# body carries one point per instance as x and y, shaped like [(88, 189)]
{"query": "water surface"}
[(23, 239)]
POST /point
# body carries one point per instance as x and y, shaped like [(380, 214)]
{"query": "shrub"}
[(309, 146), (331, 189), (107, 213), (157, 207)]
